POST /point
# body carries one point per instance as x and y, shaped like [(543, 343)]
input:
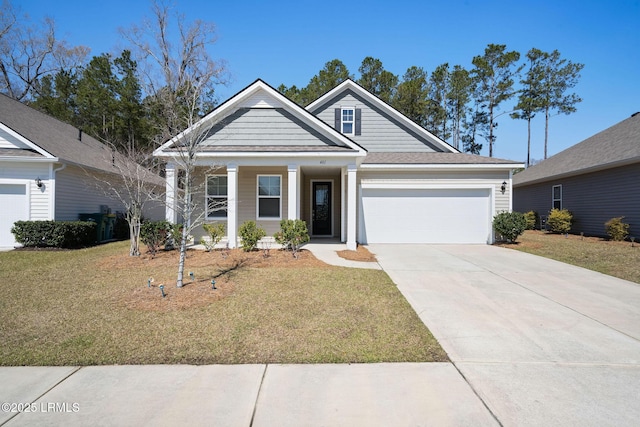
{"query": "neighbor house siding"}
[(76, 192), (379, 131), (26, 173), (592, 198)]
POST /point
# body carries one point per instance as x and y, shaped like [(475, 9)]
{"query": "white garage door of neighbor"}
[(13, 207), (425, 215)]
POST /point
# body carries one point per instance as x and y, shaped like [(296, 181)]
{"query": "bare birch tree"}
[(180, 81)]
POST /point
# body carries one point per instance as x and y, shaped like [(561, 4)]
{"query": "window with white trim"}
[(557, 196), (269, 196), (216, 196), (348, 121)]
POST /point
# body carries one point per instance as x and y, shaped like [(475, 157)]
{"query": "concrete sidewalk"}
[(399, 394)]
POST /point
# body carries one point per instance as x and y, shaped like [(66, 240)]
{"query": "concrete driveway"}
[(540, 342)]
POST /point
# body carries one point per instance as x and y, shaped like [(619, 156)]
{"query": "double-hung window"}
[(348, 121), (269, 196), (216, 194), (557, 196)]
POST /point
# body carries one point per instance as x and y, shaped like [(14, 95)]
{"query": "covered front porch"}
[(321, 192)]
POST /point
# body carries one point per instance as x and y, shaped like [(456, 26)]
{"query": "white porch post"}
[(343, 205), (232, 205), (171, 189), (293, 211), (351, 207)]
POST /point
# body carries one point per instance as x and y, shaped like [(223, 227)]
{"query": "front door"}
[(321, 209)]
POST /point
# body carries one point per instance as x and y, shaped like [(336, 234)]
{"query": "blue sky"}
[(290, 41)]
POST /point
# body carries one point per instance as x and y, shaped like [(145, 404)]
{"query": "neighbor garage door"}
[(389, 215), (13, 207)]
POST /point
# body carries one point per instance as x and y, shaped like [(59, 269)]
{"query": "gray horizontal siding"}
[(592, 198), (264, 127), (380, 132)]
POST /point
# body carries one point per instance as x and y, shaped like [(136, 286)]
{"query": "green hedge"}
[(54, 234)]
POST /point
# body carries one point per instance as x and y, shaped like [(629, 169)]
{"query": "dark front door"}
[(321, 209)]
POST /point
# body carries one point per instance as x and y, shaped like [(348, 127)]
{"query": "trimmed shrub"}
[(251, 235), (559, 221), (154, 234), (617, 229), (509, 225), (532, 219), (54, 234), (216, 232), (292, 234)]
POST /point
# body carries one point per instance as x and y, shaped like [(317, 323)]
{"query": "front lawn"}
[(619, 259), (94, 306)]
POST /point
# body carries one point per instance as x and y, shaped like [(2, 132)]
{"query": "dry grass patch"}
[(360, 254), (93, 306), (619, 259)]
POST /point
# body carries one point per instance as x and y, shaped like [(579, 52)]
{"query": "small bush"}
[(617, 229), (216, 232), (559, 221), (251, 235), (292, 234), (532, 219), (54, 234), (154, 234), (509, 225)]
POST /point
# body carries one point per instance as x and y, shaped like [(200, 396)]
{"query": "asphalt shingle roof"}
[(617, 145), (57, 138), (432, 158)]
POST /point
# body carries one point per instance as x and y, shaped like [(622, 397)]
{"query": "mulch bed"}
[(360, 254)]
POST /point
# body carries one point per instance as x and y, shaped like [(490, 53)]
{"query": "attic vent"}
[(635, 114)]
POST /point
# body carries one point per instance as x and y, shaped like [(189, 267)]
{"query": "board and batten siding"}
[(76, 193), (592, 198), (264, 127), (379, 131), (26, 173)]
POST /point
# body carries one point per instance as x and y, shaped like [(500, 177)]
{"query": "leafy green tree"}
[(411, 97), (56, 96), (333, 73), (439, 83), (558, 77), (529, 100), (377, 80), (494, 74), (459, 95)]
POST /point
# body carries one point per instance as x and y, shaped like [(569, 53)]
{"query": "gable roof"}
[(616, 146), (261, 96), (49, 138), (350, 85)]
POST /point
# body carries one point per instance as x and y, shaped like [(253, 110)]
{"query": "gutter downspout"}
[(52, 180)]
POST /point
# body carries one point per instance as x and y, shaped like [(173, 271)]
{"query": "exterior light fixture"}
[(504, 187), (213, 284), (162, 290), (39, 182)]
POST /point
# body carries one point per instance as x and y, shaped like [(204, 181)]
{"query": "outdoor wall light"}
[(39, 182), (504, 187)]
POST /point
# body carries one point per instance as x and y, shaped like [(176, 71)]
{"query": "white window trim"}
[(206, 199), (258, 197), (553, 196), (353, 120)]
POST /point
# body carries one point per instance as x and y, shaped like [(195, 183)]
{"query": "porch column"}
[(351, 207), (343, 205), (293, 212), (232, 205), (171, 188)]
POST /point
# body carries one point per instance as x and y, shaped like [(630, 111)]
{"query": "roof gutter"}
[(441, 166)]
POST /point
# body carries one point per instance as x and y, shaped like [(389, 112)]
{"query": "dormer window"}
[(348, 121)]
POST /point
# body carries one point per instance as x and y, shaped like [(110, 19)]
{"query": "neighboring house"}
[(596, 179), (350, 165), (45, 169)]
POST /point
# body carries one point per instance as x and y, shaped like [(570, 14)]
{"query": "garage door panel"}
[(13, 207), (425, 216)]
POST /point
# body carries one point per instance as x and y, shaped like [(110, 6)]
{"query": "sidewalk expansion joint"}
[(255, 405)]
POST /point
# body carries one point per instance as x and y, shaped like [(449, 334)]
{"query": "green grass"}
[(69, 308), (618, 259)]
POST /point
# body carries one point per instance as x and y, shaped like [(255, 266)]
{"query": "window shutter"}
[(358, 121), (338, 119)]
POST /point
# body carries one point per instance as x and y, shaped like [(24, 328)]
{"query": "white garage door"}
[(13, 207), (425, 215)]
